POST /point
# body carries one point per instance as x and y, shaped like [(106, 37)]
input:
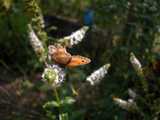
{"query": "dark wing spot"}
[(83, 61)]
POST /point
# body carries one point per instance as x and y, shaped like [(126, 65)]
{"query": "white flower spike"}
[(36, 43), (97, 75), (136, 64), (75, 38), (129, 105)]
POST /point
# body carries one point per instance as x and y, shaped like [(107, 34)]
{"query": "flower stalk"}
[(34, 14)]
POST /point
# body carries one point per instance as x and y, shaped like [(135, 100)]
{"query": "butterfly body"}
[(61, 56)]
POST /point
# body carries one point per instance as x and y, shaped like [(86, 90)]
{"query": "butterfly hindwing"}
[(59, 55)]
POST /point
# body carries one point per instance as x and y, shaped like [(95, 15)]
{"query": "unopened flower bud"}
[(132, 94)]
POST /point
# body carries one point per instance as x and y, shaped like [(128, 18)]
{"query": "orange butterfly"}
[(61, 56)]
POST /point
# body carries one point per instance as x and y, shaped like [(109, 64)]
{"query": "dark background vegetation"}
[(118, 28)]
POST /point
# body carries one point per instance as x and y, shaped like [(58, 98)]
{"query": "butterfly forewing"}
[(77, 60)]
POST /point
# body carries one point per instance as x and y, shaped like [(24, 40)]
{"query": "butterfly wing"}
[(51, 49), (77, 60), (62, 58), (59, 54)]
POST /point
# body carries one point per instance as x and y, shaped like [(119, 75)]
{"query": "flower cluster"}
[(35, 17), (36, 43), (129, 105), (136, 64), (97, 75), (74, 38), (53, 75)]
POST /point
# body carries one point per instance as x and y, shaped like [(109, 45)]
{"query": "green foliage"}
[(13, 31), (128, 26), (63, 105)]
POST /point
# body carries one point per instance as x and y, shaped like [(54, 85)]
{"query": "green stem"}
[(58, 100), (57, 96), (62, 116)]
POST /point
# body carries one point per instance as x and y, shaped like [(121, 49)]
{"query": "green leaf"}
[(63, 116), (68, 101), (51, 104)]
